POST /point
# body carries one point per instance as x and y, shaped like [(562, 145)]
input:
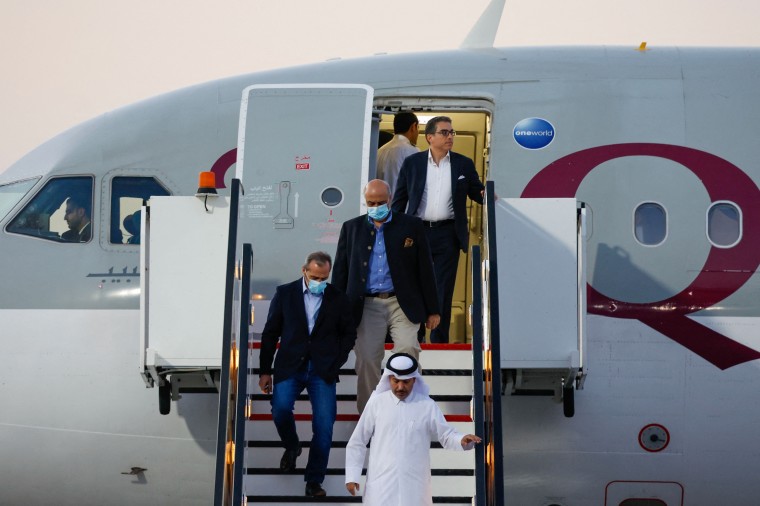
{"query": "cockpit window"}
[(61, 211), (128, 194), (12, 193)]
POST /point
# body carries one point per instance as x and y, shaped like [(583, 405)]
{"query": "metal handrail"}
[(493, 366), (221, 479), (477, 375), (241, 397)]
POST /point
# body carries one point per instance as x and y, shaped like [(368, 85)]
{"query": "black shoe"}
[(288, 460), (315, 490)]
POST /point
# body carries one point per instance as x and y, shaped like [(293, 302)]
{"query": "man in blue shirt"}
[(312, 322), (383, 264)]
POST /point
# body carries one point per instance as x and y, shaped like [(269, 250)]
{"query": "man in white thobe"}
[(401, 420)]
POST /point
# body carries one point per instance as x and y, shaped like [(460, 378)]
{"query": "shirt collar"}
[(396, 400), (403, 139), (430, 156)]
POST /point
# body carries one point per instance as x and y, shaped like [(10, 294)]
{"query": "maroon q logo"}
[(222, 164), (725, 271)]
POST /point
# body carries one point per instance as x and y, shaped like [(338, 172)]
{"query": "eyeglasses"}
[(446, 133)]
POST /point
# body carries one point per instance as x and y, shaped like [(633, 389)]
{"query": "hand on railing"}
[(469, 441)]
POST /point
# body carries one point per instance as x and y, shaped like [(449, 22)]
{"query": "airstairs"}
[(448, 371), (181, 352)]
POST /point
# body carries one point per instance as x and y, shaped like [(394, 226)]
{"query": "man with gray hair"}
[(312, 322), (401, 420), (383, 264)]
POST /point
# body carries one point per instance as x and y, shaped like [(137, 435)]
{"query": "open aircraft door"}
[(303, 159)]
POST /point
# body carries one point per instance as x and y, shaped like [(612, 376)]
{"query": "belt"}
[(383, 295), (433, 224)]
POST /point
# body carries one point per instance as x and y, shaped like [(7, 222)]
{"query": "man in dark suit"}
[(434, 185), (383, 264), (312, 321), (77, 217)]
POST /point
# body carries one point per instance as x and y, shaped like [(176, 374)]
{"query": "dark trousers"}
[(444, 248), (324, 409)]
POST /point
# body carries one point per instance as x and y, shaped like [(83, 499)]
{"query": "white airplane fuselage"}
[(673, 326)]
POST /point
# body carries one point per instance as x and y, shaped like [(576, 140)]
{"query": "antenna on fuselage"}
[(483, 33)]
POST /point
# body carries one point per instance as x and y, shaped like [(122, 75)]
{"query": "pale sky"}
[(65, 61)]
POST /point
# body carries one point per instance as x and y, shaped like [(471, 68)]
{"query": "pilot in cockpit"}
[(78, 219)]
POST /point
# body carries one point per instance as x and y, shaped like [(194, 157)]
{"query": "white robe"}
[(398, 473)]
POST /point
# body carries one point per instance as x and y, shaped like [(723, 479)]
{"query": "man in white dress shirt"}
[(401, 420), (434, 185), (404, 143)]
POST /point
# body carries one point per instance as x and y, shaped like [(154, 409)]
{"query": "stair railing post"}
[(477, 376), (241, 400), (493, 351), (224, 436)]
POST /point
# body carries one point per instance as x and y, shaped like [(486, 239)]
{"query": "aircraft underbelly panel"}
[(76, 415)]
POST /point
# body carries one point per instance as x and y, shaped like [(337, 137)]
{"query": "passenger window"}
[(650, 225), (61, 211), (128, 194), (724, 224)]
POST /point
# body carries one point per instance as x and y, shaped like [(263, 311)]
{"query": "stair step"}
[(432, 357), (450, 404), (254, 371), (293, 484), (264, 430), (338, 500), (339, 471), (264, 458), (449, 385), (347, 417), (349, 407)]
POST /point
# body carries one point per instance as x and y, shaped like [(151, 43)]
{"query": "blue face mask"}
[(378, 213), (317, 287)]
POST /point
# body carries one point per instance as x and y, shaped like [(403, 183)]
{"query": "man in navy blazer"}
[(383, 264), (434, 185), (312, 322)]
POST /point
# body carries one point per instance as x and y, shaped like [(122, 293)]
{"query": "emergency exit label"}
[(303, 162)]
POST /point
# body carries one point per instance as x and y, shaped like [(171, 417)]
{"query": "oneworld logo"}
[(534, 133)]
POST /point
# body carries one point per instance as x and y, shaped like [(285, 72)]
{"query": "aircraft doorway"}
[(471, 120)]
